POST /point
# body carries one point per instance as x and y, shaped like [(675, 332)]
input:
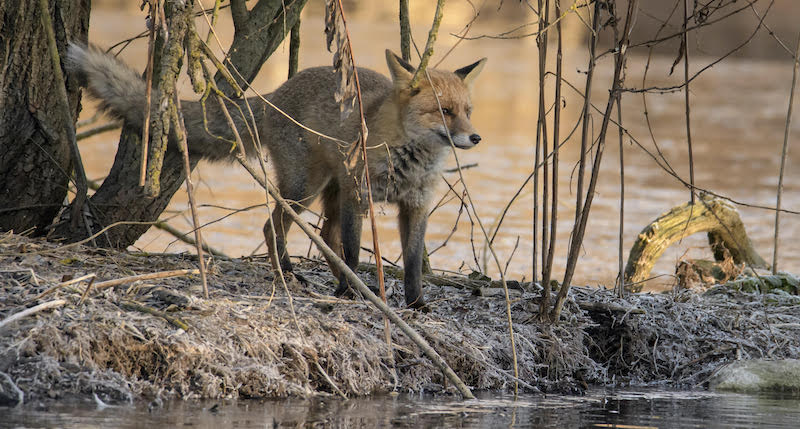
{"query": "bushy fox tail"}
[(121, 92), (119, 88)]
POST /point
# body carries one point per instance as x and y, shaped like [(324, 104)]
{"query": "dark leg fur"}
[(412, 222), (351, 237), (282, 224), (331, 225), (293, 192)]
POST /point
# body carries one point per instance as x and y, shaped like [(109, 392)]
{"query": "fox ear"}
[(470, 72), (401, 70)]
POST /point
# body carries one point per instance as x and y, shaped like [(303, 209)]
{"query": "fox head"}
[(438, 109)]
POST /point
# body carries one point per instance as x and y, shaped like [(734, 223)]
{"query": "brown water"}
[(598, 409), (738, 114)]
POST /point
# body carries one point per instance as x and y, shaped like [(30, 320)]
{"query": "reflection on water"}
[(632, 409), (738, 113)]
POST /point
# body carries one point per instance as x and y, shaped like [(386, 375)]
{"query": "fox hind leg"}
[(280, 221), (296, 193), (331, 226)]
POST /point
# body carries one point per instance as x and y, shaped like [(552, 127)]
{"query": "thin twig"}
[(460, 36), (180, 133), (181, 29), (135, 306), (328, 379), (33, 310), (148, 92), (541, 137), (705, 23), (405, 31), (660, 162), (644, 94), (577, 240), (214, 17), (242, 158), (674, 88), (784, 152), (86, 291), (97, 130), (772, 33), (66, 116), (620, 286), (359, 284), (485, 236), (62, 284), (224, 69), (685, 43), (363, 146), (587, 101), (426, 55), (186, 238), (147, 276), (89, 121), (551, 249)]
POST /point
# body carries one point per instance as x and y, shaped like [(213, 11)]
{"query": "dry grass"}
[(244, 341)]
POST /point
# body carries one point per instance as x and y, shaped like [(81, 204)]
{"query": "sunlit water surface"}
[(738, 116), (629, 409)]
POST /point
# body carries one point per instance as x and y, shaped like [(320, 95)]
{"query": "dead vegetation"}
[(124, 342)]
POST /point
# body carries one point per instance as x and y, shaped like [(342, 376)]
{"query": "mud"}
[(256, 338)]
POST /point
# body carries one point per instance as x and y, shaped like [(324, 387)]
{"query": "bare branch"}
[(426, 55)]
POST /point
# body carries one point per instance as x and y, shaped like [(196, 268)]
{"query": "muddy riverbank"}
[(255, 338)]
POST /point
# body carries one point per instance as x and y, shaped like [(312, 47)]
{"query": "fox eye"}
[(447, 111)]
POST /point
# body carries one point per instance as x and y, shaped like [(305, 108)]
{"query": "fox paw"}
[(420, 305), (344, 291), (300, 278)]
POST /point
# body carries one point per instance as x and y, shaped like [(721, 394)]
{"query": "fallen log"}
[(715, 216)]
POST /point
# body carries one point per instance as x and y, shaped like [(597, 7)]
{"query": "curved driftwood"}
[(713, 215)]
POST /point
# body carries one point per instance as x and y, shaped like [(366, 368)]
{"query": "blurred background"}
[(738, 109)]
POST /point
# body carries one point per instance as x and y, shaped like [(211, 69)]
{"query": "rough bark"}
[(716, 217), (257, 34), (120, 198), (161, 121), (35, 163)]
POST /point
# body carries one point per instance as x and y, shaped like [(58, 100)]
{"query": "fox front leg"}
[(350, 218), (412, 222)]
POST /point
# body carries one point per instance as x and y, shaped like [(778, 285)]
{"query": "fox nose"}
[(475, 139)]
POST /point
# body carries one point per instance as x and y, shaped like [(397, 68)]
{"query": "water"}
[(623, 408), (738, 114)]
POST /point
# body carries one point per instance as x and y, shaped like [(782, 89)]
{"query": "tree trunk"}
[(35, 163), (120, 198), (257, 34)]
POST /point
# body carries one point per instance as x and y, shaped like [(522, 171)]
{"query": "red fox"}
[(410, 134)]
